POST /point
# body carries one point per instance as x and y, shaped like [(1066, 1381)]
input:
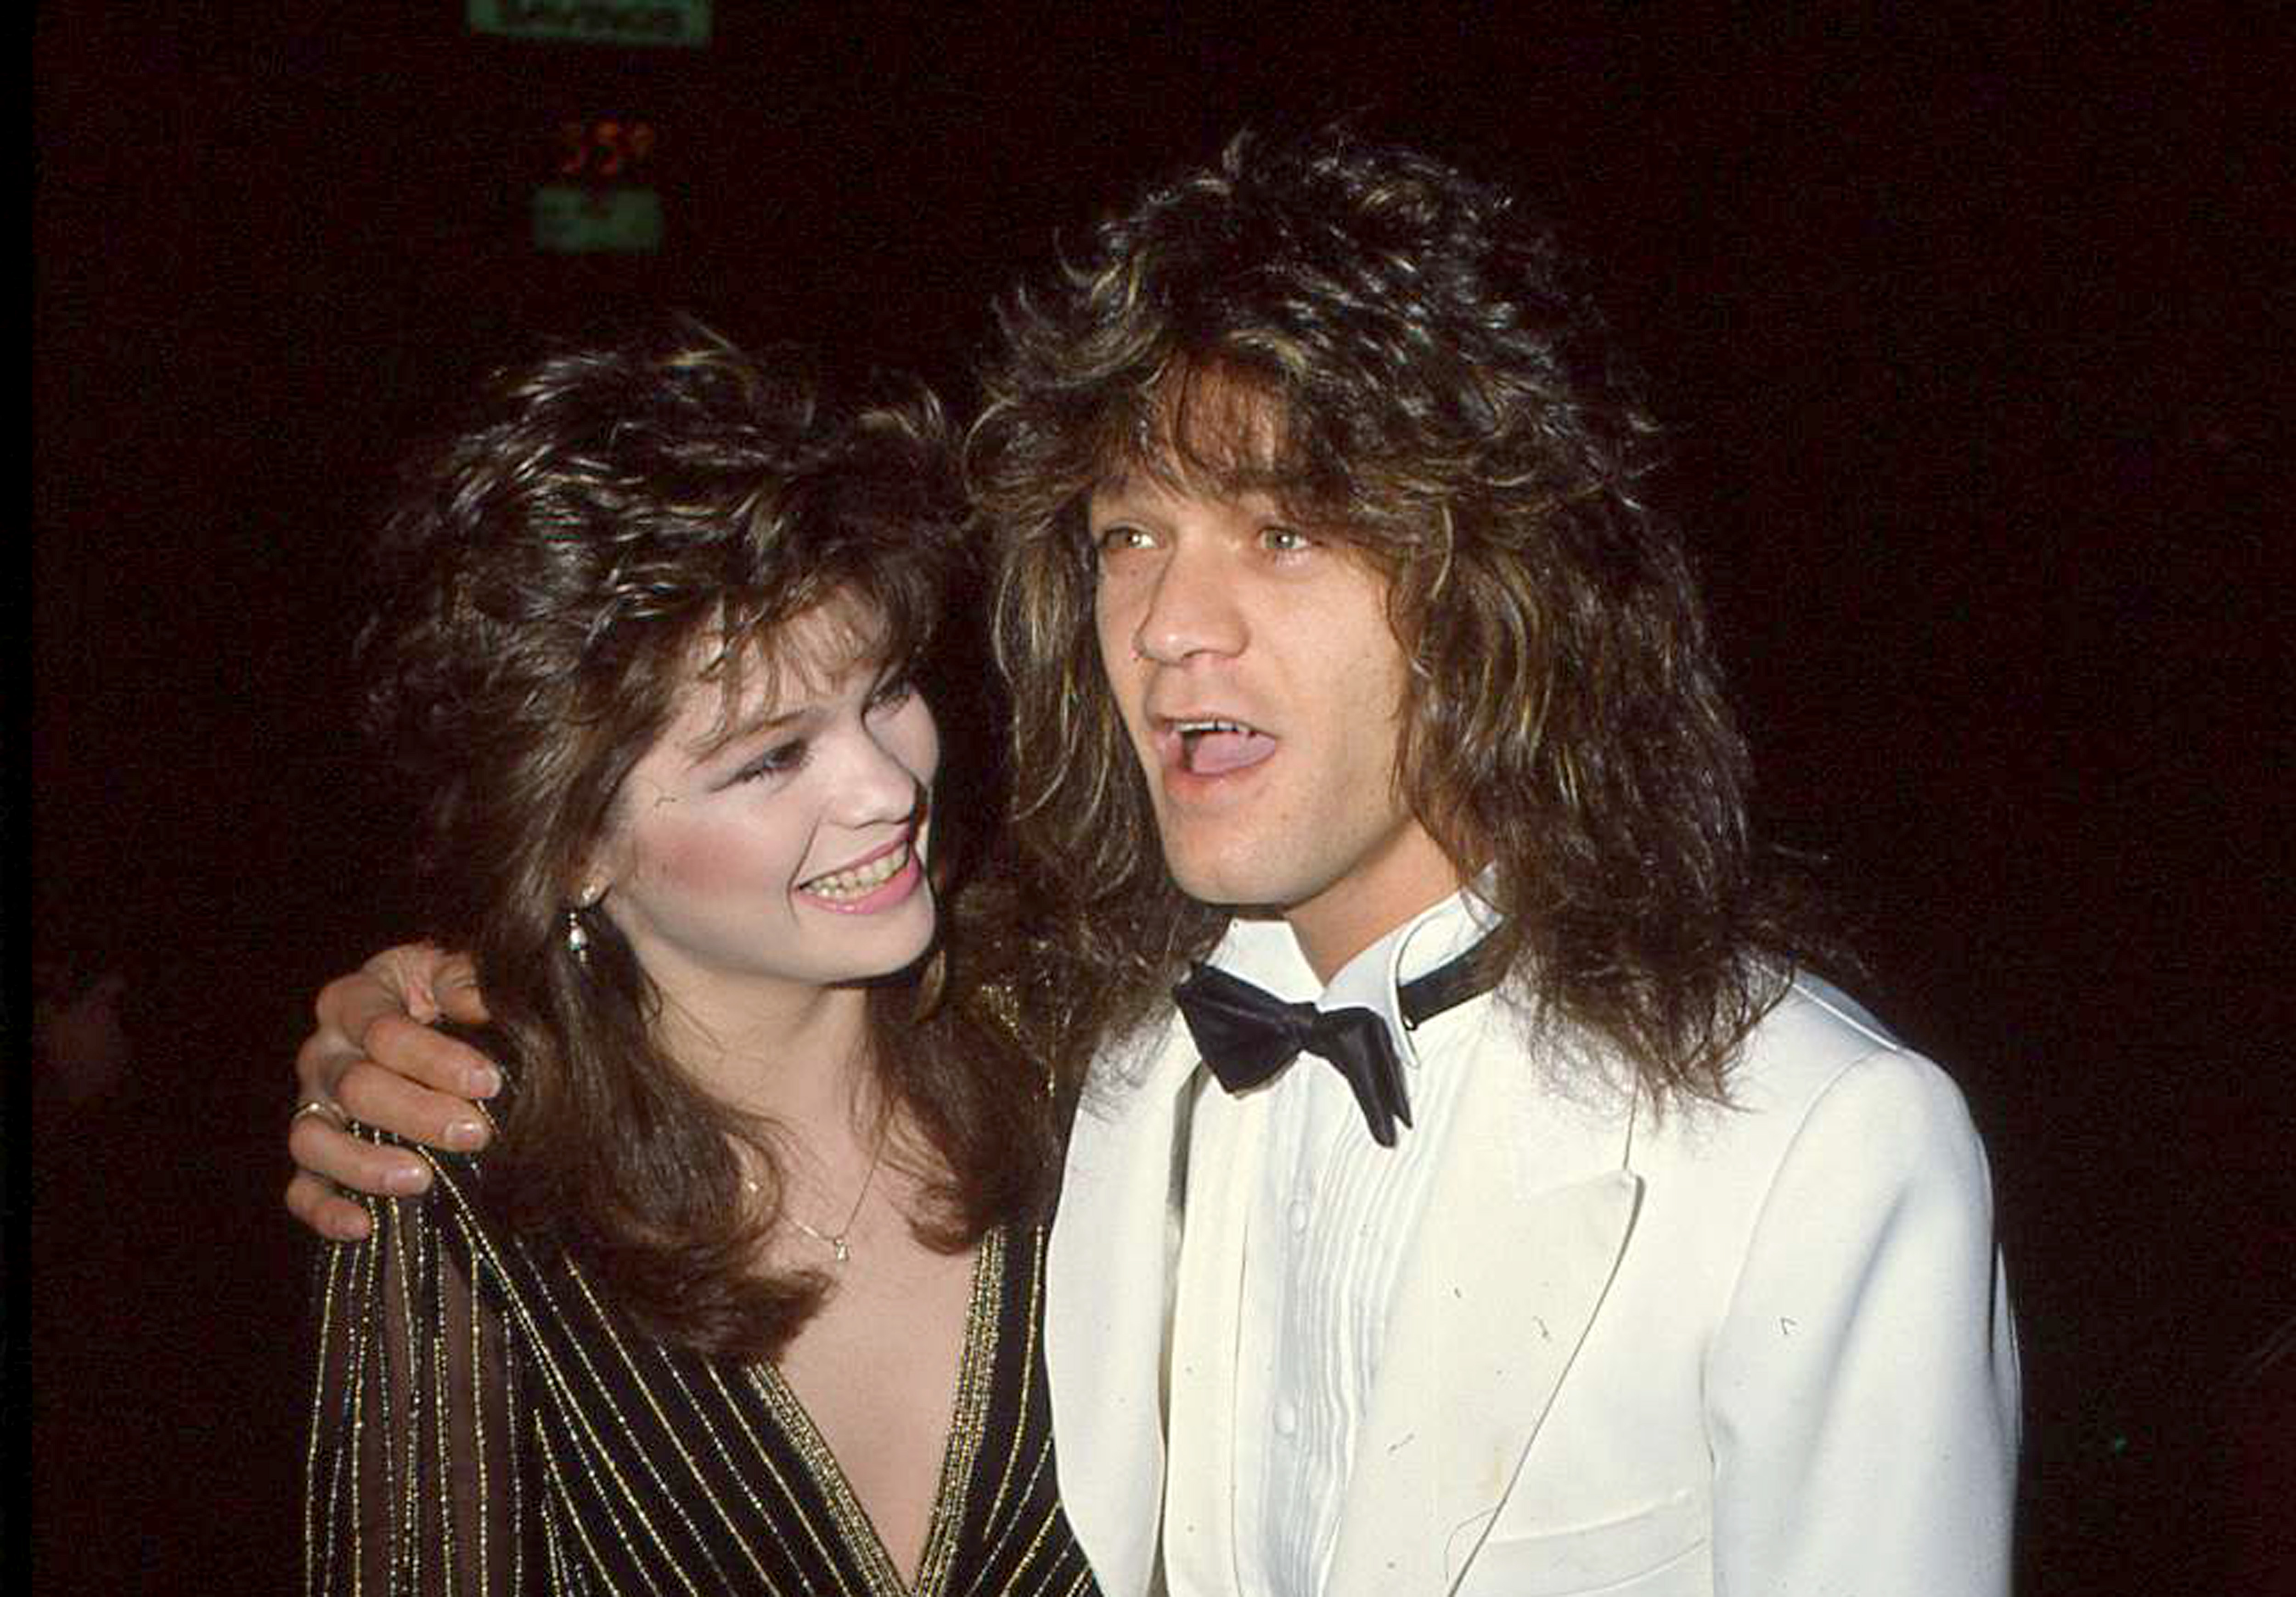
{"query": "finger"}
[(334, 1158), (410, 972), (318, 1206), (456, 986), (429, 1059), (349, 1006), (387, 1099), (320, 1063)]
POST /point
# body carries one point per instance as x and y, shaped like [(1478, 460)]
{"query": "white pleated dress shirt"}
[(1319, 1246)]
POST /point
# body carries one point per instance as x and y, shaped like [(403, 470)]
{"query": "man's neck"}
[(1351, 916)]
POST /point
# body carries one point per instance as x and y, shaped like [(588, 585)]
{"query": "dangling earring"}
[(577, 936)]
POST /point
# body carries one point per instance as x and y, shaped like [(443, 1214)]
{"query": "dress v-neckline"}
[(968, 1418)]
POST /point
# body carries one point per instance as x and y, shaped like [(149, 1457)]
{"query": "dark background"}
[(1974, 331)]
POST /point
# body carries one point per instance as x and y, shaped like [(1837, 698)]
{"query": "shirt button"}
[(1299, 1217), (1287, 1419)]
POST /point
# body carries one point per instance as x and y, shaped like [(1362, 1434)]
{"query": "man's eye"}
[(1119, 540)]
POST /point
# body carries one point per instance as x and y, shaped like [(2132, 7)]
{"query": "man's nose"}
[(1192, 609)]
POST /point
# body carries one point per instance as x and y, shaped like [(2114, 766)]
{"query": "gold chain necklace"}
[(835, 1241)]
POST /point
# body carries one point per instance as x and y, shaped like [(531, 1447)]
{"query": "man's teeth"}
[(1215, 746), (861, 879)]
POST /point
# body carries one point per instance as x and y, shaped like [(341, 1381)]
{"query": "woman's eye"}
[(893, 694), (1284, 540), (779, 760)]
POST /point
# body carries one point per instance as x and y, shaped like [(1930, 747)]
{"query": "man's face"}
[(1262, 688)]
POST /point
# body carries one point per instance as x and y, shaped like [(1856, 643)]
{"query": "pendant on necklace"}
[(835, 1244)]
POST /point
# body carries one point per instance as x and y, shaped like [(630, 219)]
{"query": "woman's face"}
[(791, 855)]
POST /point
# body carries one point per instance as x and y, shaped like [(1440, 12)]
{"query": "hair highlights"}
[(553, 574), (1387, 346)]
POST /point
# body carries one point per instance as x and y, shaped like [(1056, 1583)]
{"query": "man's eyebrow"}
[(1120, 504)]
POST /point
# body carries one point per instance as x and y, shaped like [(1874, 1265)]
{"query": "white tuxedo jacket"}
[(1764, 1349)]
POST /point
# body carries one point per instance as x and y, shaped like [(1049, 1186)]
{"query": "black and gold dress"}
[(483, 1422)]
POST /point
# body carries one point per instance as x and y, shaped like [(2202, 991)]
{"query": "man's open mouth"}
[(1211, 747)]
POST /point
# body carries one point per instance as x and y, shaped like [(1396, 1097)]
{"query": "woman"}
[(742, 1297)]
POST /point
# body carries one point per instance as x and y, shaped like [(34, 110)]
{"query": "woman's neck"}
[(803, 1060)]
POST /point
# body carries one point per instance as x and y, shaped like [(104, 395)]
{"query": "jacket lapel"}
[(1504, 1281), (1107, 1303), (1225, 1140)]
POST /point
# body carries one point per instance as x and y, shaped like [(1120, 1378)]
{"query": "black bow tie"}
[(1246, 1033)]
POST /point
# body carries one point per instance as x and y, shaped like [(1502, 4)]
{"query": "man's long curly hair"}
[(1388, 348), (550, 577)]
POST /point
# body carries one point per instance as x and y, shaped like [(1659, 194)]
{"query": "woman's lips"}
[(884, 878)]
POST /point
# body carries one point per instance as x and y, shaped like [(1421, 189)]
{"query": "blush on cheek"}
[(705, 860)]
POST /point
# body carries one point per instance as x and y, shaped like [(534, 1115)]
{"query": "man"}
[(1350, 663)]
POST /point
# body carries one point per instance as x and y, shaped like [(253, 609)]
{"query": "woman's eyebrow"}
[(727, 733)]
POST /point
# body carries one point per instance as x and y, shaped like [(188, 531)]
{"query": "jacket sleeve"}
[(1862, 1387), (415, 1478)]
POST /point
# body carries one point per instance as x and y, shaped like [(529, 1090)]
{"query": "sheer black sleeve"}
[(419, 1471)]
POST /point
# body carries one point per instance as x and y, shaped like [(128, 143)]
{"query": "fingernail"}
[(407, 1182), (464, 1135), (484, 1082)]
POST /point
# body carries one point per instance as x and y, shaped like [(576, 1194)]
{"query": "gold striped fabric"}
[(482, 1423)]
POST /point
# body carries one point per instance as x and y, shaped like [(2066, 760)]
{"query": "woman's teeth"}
[(861, 879)]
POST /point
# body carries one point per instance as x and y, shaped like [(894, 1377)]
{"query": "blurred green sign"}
[(574, 221), (676, 23)]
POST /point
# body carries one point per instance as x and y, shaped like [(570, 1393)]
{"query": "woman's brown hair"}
[(550, 575)]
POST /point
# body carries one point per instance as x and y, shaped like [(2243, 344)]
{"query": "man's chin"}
[(1226, 884)]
